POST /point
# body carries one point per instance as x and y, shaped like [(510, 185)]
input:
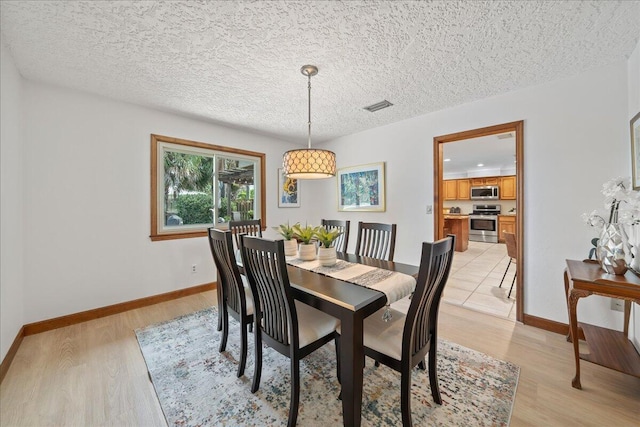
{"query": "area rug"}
[(197, 385)]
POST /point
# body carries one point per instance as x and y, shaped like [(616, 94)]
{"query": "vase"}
[(612, 249), (633, 238), (307, 251), (327, 256), (290, 247)]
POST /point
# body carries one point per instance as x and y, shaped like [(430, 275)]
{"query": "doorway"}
[(439, 191)]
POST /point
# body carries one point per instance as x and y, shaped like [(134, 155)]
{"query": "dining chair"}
[(512, 251), (250, 227), (342, 241), (290, 327), (376, 240), (234, 294), (403, 342)]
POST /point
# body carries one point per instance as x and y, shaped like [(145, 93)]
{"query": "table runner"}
[(393, 284)]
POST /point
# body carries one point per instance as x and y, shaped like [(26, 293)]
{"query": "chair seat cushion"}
[(248, 295), (384, 337), (313, 324)]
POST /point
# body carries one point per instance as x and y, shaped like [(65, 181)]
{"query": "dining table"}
[(351, 304)]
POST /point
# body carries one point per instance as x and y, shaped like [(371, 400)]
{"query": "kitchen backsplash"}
[(466, 206)]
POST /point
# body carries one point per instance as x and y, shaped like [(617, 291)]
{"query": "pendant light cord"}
[(309, 123)]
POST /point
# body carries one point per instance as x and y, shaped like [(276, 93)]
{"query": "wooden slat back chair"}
[(234, 296), (376, 240), (293, 329), (251, 227), (512, 253), (404, 341), (342, 242)]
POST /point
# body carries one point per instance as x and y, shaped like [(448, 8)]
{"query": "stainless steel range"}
[(483, 223)]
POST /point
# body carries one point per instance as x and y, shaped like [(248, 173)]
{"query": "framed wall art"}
[(635, 152), (288, 191), (361, 188)]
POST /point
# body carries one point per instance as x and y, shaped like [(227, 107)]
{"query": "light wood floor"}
[(93, 374)]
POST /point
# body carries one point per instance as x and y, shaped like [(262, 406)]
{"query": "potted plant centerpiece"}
[(290, 243), (327, 250), (304, 236)]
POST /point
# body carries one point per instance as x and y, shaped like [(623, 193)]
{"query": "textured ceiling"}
[(238, 62)]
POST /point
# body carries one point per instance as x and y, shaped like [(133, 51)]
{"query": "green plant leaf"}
[(327, 237), (304, 234)]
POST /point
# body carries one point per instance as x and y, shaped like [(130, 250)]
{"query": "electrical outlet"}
[(429, 209), (193, 268), (617, 304)]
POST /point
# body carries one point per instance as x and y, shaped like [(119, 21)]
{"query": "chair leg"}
[(224, 316), (337, 341), (433, 372), (243, 349), (505, 273), (295, 392), (422, 365), (512, 282), (405, 396), (258, 359), (376, 364), (219, 298)]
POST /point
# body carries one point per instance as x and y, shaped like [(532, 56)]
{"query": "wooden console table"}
[(607, 347)]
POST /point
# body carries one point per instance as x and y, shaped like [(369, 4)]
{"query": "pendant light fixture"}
[(309, 163)]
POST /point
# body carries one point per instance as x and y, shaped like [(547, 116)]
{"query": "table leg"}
[(627, 315), (351, 367), (573, 330), (566, 296)]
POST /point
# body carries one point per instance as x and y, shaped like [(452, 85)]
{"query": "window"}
[(196, 185)]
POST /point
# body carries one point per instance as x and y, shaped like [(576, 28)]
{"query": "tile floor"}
[(474, 279)]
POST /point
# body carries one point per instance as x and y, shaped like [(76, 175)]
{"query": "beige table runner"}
[(393, 284)]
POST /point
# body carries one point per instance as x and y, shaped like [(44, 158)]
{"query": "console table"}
[(607, 347)]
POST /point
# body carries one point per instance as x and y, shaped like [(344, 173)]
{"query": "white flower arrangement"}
[(622, 202)]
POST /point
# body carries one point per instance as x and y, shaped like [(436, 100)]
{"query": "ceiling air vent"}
[(505, 135), (378, 106)]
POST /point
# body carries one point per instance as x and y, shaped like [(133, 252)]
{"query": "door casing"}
[(438, 191)]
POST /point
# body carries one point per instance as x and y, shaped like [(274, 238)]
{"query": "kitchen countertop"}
[(456, 216)]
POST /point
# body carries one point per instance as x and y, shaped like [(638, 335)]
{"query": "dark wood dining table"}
[(351, 304)]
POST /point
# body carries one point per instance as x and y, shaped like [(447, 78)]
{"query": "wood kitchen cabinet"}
[(491, 180), (464, 189), (506, 223), (460, 189), (508, 188), (459, 226), (450, 188)]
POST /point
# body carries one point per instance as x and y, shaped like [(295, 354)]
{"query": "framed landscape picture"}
[(288, 191), (361, 188), (635, 152)]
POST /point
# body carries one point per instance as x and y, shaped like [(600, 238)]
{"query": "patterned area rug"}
[(197, 386)]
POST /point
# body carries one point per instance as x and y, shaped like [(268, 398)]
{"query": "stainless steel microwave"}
[(485, 192)]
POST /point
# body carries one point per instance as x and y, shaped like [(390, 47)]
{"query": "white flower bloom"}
[(621, 202)]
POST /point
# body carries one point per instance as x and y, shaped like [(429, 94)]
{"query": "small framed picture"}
[(361, 188), (288, 191), (635, 152)]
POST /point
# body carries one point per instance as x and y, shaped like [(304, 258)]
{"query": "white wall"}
[(11, 202), (77, 207), (87, 202), (575, 139), (633, 109)]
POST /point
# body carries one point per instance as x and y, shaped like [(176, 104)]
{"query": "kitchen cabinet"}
[(464, 189), (459, 226), (508, 188), (491, 180), (506, 223), (459, 189), (450, 188)]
